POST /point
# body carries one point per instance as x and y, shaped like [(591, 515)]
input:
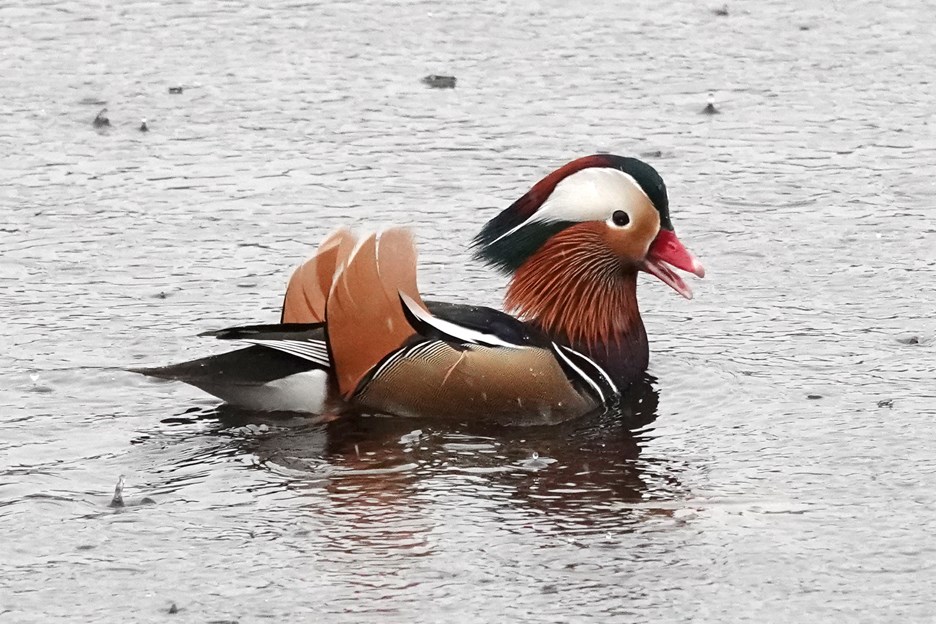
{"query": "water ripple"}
[(787, 451)]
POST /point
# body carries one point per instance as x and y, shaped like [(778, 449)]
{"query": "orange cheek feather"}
[(631, 243)]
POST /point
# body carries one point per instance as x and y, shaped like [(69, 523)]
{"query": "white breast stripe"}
[(581, 373), (313, 350), (459, 333), (602, 372)]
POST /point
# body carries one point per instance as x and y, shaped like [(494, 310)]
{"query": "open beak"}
[(667, 251)]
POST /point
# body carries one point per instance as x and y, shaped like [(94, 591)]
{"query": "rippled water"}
[(788, 469)]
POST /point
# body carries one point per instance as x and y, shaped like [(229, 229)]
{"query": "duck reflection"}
[(584, 474)]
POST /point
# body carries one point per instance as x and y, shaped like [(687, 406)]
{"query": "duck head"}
[(574, 244)]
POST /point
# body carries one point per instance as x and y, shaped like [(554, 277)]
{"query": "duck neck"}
[(582, 297)]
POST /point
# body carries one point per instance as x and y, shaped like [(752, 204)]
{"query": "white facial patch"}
[(592, 194)]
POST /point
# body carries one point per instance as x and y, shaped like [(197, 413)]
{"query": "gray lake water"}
[(788, 471)]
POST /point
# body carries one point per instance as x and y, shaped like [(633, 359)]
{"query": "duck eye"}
[(620, 218)]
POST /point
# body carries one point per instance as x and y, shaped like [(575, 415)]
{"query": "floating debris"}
[(886, 403), (909, 340), (175, 90), (813, 397), (143, 126), (722, 12), (710, 107), (118, 500), (101, 120), (440, 82)]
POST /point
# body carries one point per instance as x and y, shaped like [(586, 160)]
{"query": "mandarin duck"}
[(355, 334)]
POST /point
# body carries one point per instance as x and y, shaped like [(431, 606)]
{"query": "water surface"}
[(787, 468)]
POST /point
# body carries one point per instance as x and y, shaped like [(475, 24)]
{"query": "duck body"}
[(355, 334), (288, 367)]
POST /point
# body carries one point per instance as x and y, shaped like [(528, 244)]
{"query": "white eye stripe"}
[(586, 195)]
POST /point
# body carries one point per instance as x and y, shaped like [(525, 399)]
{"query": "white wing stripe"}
[(299, 348), (455, 331), (293, 351), (314, 351)]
